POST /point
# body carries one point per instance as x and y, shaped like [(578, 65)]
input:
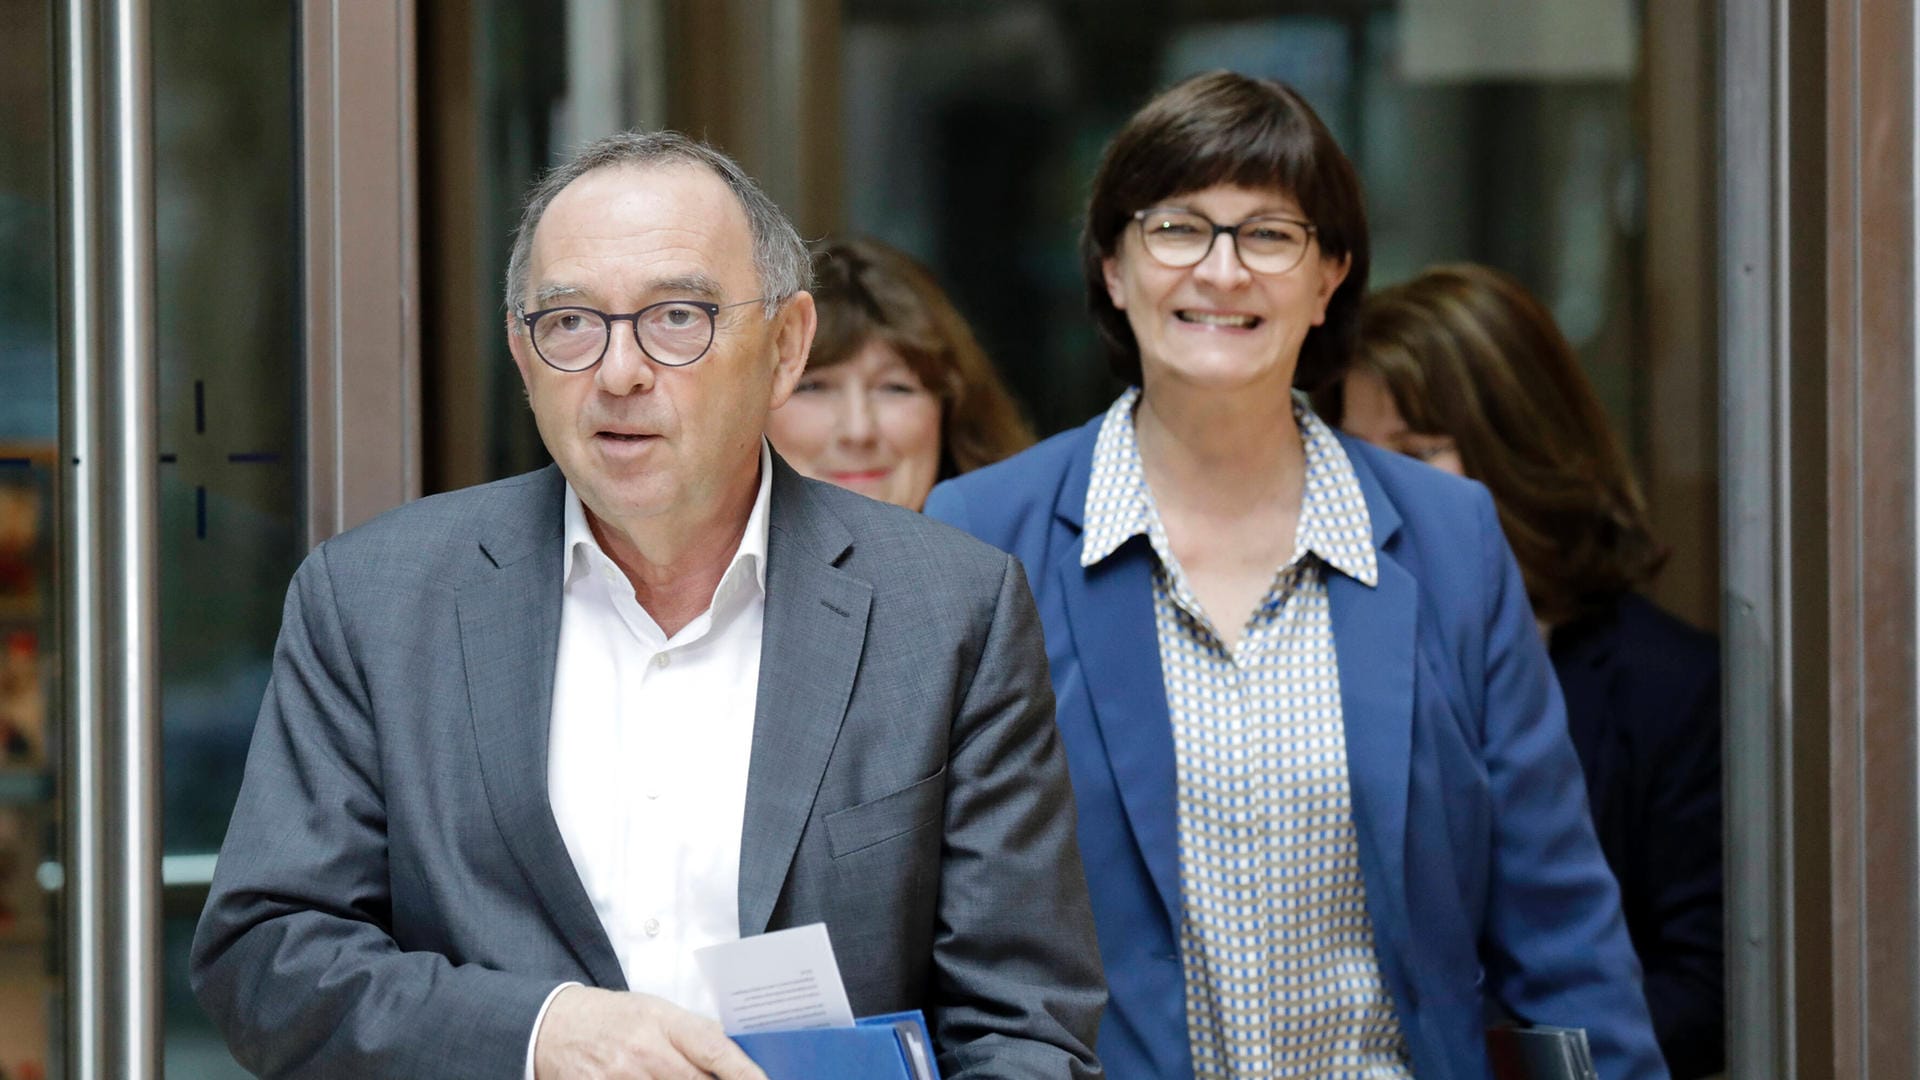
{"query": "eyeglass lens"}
[(574, 339), (1269, 245)]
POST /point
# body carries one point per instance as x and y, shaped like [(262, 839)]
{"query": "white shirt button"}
[(662, 660), (652, 928)]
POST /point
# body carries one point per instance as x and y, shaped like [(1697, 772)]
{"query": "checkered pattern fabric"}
[(1281, 975)]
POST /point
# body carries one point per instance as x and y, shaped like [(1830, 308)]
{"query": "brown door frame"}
[(1818, 456), (1870, 400), (362, 279)]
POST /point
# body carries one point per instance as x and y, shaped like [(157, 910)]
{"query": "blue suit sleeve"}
[(1555, 944)]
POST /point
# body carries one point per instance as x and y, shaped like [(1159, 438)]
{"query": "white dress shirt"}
[(648, 749)]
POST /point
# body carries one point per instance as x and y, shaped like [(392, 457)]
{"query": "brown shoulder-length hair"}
[(1226, 128), (1469, 354), (865, 292)]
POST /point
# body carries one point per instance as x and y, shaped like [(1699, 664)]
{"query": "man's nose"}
[(1222, 267), (626, 368)]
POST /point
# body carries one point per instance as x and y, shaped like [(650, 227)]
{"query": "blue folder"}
[(890, 1047)]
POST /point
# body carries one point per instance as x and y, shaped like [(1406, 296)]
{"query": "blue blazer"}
[(1484, 881)]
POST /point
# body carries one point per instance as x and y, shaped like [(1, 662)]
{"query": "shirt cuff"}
[(541, 1018)]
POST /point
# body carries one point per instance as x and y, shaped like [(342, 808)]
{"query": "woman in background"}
[(897, 394), (1462, 368), (1327, 805)]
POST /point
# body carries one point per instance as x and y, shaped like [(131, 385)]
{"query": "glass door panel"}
[(232, 452), (30, 948)]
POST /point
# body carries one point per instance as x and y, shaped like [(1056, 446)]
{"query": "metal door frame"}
[(359, 202)]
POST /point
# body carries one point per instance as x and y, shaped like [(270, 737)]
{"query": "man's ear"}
[(1332, 273), (792, 341)]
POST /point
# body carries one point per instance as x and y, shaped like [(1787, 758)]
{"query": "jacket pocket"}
[(878, 820)]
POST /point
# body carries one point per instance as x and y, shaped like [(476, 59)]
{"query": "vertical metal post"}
[(112, 765), (80, 347), (129, 454), (1756, 440)]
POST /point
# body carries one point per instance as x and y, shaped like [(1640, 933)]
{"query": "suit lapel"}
[(814, 634), (1375, 635), (510, 638), (1116, 642), (1110, 610)]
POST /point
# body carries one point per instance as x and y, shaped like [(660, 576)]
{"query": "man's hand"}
[(591, 1034)]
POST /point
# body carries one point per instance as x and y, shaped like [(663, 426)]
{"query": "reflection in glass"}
[(30, 948), (994, 112), (230, 377), (230, 421), (969, 132)]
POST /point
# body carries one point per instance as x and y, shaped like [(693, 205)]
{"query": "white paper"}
[(776, 982)]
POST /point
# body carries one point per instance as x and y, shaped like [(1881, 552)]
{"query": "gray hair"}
[(779, 255)]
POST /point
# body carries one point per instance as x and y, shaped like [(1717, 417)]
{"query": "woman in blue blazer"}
[(1327, 803), (1465, 369)]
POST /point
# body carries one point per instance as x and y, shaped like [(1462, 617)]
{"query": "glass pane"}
[(520, 58), (997, 112), (30, 946), (231, 427), (967, 134)]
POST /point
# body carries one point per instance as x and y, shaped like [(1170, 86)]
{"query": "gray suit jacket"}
[(394, 898)]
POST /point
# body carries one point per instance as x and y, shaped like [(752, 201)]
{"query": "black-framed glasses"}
[(672, 332), (1179, 238)]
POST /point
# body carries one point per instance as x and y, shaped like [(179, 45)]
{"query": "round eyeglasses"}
[(1264, 245), (672, 332)]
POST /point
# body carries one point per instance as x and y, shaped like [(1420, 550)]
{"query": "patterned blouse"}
[(1275, 941)]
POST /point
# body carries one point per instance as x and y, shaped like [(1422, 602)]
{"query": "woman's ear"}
[(1116, 288), (1332, 273)]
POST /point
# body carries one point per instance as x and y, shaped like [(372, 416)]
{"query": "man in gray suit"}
[(529, 745)]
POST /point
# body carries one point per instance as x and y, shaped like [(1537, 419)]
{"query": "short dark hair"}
[(1226, 128), (779, 256), (868, 292), (1467, 352)]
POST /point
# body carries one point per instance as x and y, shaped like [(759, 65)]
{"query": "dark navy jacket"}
[(1643, 707), (1483, 877)]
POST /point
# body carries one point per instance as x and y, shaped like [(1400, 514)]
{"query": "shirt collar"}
[(1334, 523), (749, 564), (1119, 505)]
